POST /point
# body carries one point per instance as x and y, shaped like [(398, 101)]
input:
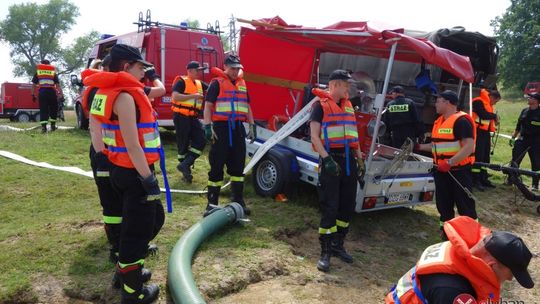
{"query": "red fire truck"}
[(16, 102), (170, 48)]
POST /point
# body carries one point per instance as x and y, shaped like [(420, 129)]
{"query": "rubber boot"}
[(326, 251), (44, 128), (185, 168), (152, 250), (213, 196), (337, 246), (133, 290), (146, 275), (112, 231), (53, 126), (237, 191)]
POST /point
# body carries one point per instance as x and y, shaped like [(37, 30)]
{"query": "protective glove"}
[(150, 74), (330, 166), (151, 186), (209, 133), (252, 134), (361, 167), (512, 141), (444, 166), (103, 165)]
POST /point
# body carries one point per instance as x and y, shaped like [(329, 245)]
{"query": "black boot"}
[(152, 250), (44, 128), (146, 275), (337, 247), (53, 126), (477, 183), (133, 290), (113, 236), (237, 190), (213, 196), (185, 167), (326, 251)]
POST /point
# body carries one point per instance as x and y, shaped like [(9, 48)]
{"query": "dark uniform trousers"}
[(222, 153), (449, 193), (189, 135), (48, 105), (141, 219), (527, 144), (338, 193), (110, 202), (481, 152)]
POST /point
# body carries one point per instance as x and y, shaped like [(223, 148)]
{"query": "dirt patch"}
[(87, 226)]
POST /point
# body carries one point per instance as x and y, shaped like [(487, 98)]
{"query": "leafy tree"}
[(518, 34)]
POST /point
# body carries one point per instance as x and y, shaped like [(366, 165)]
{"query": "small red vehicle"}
[(16, 102), (532, 87)]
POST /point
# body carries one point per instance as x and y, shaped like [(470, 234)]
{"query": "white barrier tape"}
[(10, 128), (80, 171)]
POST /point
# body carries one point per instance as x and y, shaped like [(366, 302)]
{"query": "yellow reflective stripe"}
[(187, 103), (242, 89), (152, 140), (327, 230), (153, 197), (215, 184), (128, 289), (475, 170), (225, 106), (349, 110), (108, 137), (342, 224), (52, 120), (46, 81), (198, 152), (139, 262), (446, 147), (535, 123), (237, 178), (404, 284), (45, 73), (112, 219), (102, 173)]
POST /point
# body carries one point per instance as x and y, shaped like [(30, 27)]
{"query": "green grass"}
[(51, 233)]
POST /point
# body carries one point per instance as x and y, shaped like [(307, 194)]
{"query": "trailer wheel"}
[(82, 122), (269, 176), (37, 117), (23, 117)]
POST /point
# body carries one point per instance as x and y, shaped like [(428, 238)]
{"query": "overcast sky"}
[(117, 17)]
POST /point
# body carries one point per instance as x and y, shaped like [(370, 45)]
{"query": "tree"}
[(518, 34), (33, 32)]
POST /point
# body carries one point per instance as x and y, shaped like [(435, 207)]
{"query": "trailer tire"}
[(37, 117), (82, 122), (274, 172), (23, 117)]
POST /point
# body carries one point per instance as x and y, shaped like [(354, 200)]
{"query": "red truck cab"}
[(170, 48)]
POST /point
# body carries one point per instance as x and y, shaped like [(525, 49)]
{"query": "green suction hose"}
[(180, 278)]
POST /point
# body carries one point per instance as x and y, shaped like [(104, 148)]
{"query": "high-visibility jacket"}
[(84, 98), (232, 101), (110, 86), (190, 107), (484, 124), (451, 257), (445, 145), (338, 127), (45, 75)]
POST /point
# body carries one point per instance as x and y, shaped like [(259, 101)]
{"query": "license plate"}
[(396, 198)]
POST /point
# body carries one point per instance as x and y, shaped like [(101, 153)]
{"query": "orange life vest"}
[(484, 124), (45, 74), (232, 101), (445, 145), (338, 127), (190, 107), (110, 86), (84, 98), (451, 257)]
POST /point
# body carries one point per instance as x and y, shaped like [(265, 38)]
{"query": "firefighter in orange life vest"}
[(485, 120), (129, 129), (335, 137), (187, 100), (225, 110), (452, 145), (108, 197), (46, 80), (473, 264)]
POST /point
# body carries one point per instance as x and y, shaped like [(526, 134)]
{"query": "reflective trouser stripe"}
[(198, 152), (215, 184), (327, 230), (342, 224), (112, 219), (475, 170), (237, 178)]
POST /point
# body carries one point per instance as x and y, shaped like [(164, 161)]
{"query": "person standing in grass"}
[(130, 130)]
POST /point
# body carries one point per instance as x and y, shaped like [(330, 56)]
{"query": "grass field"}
[(53, 248)]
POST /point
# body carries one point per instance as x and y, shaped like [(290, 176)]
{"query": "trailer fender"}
[(276, 172)]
